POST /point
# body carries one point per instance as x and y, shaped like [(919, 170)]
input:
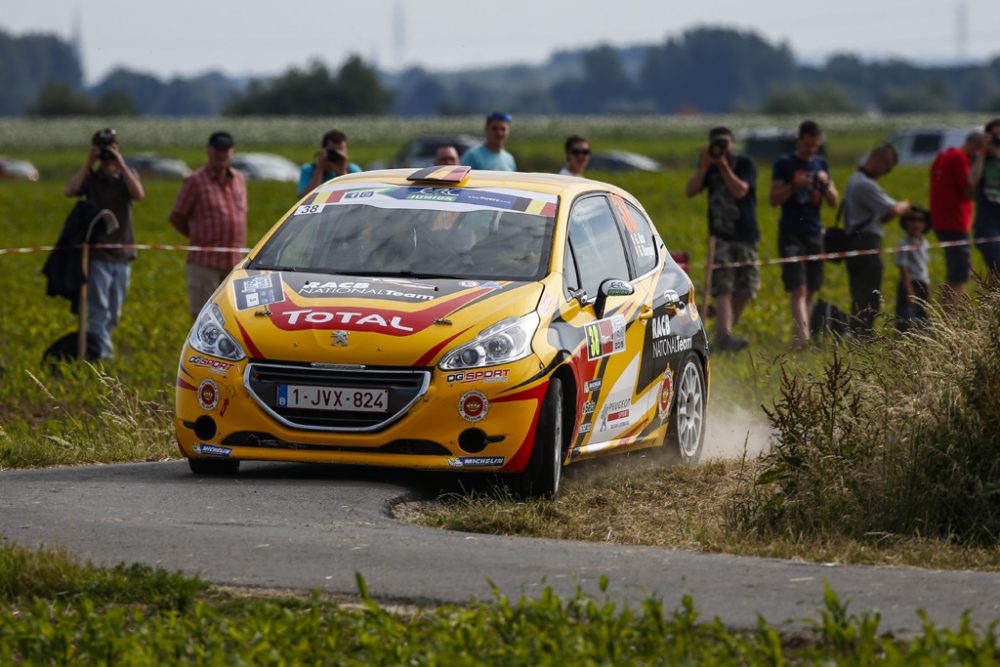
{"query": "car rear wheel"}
[(543, 473), (686, 432), (213, 467)]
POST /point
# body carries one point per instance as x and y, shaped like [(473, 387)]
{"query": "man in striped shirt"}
[(211, 211)]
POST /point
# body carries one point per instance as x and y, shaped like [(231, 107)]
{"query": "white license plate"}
[(345, 399)]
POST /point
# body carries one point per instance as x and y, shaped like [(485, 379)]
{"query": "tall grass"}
[(898, 437)]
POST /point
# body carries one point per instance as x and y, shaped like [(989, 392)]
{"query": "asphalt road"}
[(306, 527)]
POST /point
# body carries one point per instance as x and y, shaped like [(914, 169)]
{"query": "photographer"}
[(113, 186), (866, 209), (985, 178), (331, 161), (731, 181), (800, 184)]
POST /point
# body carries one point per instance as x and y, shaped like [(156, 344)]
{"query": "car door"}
[(607, 362)]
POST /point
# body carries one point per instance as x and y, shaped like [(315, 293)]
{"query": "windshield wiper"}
[(291, 269), (399, 274)]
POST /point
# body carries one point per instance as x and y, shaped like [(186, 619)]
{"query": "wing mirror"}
[(611, 287)]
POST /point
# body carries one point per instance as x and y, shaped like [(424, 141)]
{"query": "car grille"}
[(404, 387)]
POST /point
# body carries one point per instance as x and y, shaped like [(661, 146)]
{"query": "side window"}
[(641, 242), (571, 279), (597, 245)]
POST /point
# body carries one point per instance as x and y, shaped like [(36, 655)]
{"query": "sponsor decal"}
[(589, 407), (642, 247), (592, 385), (661, 326), (473, 406), (672, 345), (360, 194), (208, 395), (468, 283), (258, 291), (212, 365), (491, 375), (352, 288), (665, 395), (618, 288), (339, 337), (302, 318), (615, 412), (475, 461), (585, 428), (435, 194), (212, 450), (605, 337)]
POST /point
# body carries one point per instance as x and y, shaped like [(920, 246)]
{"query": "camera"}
[(335, 156), (104, 138), (718, 147)]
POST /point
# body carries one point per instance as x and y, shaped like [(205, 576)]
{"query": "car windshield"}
[(494, 233)]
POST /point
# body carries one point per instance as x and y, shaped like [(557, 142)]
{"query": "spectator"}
[(577, 156), (866, 209), (912, 259), (331, 161), (111, 186), (800, 184), (732, 219), (491, 153), (445, 156), (211, 210), (951, 210), (984, 176)]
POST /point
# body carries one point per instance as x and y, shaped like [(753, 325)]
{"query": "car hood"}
[(382, 321)]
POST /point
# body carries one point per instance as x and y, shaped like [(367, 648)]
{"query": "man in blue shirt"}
[(491, 154), (800, 184), (331, 161)]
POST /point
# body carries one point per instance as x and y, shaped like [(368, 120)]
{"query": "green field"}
[(122, 412)]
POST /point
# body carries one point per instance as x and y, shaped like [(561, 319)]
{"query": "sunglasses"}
[(580, 151), (496, 115)]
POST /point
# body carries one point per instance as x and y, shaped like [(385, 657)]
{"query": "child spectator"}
[(914, 281)]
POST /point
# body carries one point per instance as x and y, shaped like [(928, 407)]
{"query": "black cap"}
[(221, 140)]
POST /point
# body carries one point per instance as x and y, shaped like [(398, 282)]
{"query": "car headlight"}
[(209, 335), (505, 341)]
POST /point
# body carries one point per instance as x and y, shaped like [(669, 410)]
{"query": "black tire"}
[(542, 475), (213, 467), (686, 432)]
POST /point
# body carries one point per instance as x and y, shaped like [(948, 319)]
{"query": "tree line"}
[(704, 70)]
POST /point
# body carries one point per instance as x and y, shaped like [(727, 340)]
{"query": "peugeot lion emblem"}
[(339, 338)]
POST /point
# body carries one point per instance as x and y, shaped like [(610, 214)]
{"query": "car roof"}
[(552, 184)]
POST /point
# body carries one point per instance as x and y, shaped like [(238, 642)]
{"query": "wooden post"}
[(708, 275)]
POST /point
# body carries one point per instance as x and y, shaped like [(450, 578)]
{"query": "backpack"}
[(827, 320)]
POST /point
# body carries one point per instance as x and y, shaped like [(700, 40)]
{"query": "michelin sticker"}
[(212, 450), (258, 290), (475, 461)]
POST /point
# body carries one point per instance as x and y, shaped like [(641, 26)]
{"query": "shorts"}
[(797, 274), (202, 282), (740, 281), (958, 258)]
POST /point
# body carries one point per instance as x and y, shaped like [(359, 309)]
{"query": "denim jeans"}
[(107, 285)]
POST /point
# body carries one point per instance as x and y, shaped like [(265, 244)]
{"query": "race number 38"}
[(308, 208)]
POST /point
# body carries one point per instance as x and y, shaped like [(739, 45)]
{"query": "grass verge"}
[(134, 615)]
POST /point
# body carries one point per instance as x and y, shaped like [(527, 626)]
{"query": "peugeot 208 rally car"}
[(448, 319)]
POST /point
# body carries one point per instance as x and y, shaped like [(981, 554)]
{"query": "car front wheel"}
[(686, 432), (542, 475)]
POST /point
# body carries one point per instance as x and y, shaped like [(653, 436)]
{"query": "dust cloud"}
[(731, 429)]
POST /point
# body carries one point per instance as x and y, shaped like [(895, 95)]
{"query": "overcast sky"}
[(265, 37)]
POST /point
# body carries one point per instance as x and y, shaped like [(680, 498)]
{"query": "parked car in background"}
[(766, 145), (266, 167), (449, 320), (921, 145), (420, 152), (17, 170), (622, 161), (151, 165)]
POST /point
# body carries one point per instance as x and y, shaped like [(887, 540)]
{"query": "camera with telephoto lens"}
[(334, 156), (718, 147), (104, 138)]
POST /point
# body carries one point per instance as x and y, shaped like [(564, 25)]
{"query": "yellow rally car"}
[(452, 320)]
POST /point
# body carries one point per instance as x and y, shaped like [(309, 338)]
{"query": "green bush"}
[(896, 437)]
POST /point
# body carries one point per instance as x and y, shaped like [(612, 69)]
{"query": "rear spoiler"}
[(448, 174)]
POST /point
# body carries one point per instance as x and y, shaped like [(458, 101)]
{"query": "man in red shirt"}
[(211, 210), (951, 209)]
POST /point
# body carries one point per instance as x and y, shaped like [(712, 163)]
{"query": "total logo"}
[(473, 406), (208, 395), (666, 394), (300, 319), (493, 375)]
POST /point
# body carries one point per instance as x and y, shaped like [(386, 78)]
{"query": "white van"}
[(920, 146)]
